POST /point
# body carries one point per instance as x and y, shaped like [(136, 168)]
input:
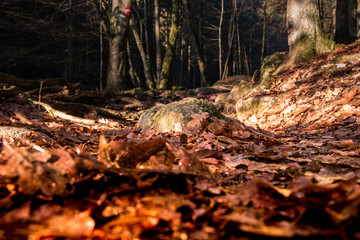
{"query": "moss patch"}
[(174, 116), (227, 101), (252, 106), (268, 67), (355, 56)]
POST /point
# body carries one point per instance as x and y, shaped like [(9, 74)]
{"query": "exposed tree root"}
[(62, 115), (56, 111), (121, 115)]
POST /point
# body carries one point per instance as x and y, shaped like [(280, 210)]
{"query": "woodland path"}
[(102, 178)]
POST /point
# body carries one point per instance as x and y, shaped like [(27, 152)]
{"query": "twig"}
[(41, 84)]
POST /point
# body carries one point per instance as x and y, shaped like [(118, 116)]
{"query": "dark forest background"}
[(54, 38)]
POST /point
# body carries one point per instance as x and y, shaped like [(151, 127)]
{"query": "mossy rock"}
[(221, 100), (204, 91), (227, 101), (229, 82), (251, 106), (145, 120), (268, 67), (173, 116)]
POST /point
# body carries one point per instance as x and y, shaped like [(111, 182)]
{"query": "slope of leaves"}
[(218, 179), (315, 94)]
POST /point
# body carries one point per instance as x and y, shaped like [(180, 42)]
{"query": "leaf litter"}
[(293, 175)]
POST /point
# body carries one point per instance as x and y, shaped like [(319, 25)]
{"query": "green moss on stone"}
[(269, 65), (253, 106), (175, 115)]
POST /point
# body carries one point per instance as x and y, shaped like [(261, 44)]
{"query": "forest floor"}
[(290, 170)]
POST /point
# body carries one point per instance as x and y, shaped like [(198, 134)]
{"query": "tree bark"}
[(220, 37), (157, 40), (341, 22), (230, 37), (68, 66), (118, 70), (147, 42), (264, 32), (101, 53), (306, 37), (195, 42), (358, 19), (148, 77), (251, 36), (134, 77), (170, 47)]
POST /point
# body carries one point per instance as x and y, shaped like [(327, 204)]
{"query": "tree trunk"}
[(358, 19), (321, 11), (118, 70), (200, 25), (251, 36), (220, 37), (134, 77), (68, 68), (147, 41), (170, 47), (148, 77), (246, 61), (238, 44), (195, 42), (101, 52), (264, 32), (231, 33), (341, 22), (157, 40), (306, 37)]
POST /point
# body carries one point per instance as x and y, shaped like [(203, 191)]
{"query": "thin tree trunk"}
[(251, 35), (358, 19), (157, 40), (181, 62), (148, 77), (321, 11), (238, 39), (231, 34), (333, 22), (264, 33), (101, 67), (247, 65), (200, 21), (194, 39), (188, 64), (238, 48), (68, 66), (170, 47), (147, 42), (135, 79), (220, 37)]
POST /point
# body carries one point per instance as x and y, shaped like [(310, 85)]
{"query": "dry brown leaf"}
[(129, 154)]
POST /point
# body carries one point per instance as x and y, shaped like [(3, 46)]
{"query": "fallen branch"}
[(121, 115), (62, 115)]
